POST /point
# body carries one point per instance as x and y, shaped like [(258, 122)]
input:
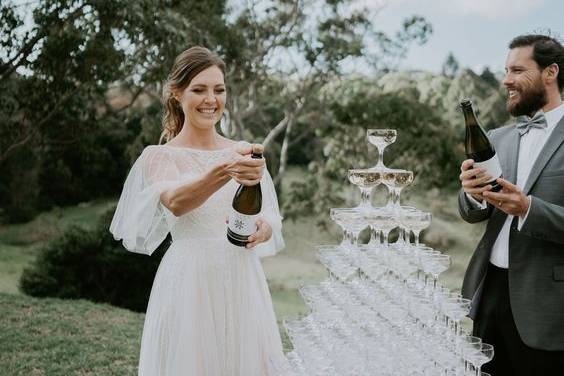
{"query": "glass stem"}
[(381, 155), (354, 239), (416, 236), (345, 240), (396, 195), (374, 236), (365, 194), (385, 238), (390, 202)]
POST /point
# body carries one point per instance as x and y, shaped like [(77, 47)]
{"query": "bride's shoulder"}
[(154, 153), (151, 150)]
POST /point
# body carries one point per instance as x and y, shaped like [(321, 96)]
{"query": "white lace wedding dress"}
[(210, 311)]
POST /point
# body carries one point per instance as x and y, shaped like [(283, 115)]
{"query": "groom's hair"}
[(546, 51)]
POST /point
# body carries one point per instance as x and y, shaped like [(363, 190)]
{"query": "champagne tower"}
[(382, 310)]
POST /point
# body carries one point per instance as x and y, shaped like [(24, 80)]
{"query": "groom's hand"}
[(472, 179), (510, 199)]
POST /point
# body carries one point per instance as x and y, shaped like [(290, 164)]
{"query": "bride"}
[(210, 311)]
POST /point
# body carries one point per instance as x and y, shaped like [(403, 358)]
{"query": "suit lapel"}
[(512, 155), (554, 140)]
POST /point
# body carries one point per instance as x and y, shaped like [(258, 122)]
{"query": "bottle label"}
[(492, 166), (242, 224)]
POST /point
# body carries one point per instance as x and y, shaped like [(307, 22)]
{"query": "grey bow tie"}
[(524, 123)]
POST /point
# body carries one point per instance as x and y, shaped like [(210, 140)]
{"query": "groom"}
[(516, 275)]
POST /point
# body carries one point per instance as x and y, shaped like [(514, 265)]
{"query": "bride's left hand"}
[(263, 234)]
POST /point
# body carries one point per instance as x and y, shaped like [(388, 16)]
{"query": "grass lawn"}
[(67, 337), (56, 337)]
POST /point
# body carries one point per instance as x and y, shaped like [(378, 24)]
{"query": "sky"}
[(477, 32)]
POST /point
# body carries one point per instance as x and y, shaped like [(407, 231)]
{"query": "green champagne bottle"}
[(478, 146), (246, 207)]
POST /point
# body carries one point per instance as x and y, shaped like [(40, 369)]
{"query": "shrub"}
[(90, 264)]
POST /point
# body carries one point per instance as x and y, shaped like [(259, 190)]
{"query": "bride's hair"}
[(186, 66)]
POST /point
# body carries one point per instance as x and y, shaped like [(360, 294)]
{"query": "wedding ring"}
[(500, 203)]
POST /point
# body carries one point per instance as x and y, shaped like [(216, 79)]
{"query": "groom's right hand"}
[(472, 179)]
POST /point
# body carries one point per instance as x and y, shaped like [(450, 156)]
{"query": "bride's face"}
[(203, 100)]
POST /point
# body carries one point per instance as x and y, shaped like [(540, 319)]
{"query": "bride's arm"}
[(190, 196)]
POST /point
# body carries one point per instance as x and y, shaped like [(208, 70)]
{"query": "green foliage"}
[(90, 264)]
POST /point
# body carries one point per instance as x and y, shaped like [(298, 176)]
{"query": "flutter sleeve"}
[(271, 214), (141, 221)]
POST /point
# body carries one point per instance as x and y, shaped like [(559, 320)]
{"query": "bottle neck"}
[(469, 116)]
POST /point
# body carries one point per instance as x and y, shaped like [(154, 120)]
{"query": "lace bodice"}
[(208, 220), (142, 221)]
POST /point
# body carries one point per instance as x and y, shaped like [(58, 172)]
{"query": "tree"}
[(279, 102), (60, 131), (488, 76), (450, 66)]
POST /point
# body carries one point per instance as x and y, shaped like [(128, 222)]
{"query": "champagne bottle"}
[(478, 146), (247, 204)]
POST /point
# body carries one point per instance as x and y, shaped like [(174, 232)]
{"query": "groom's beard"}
[(530, 100)]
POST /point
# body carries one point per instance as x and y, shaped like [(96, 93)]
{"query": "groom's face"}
[(523, 80)]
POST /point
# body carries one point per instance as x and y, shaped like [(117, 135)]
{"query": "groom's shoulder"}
[(500, 131)]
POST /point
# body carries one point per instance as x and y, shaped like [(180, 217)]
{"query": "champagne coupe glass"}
[(405, 226), (366, 180), (382, 220), (354, 222), (422, 255), (466, 346), (396, 180), (417, 221), (437, 264), (340, 220), (481, 357), (337, 264), (456, 309), (381, 138)]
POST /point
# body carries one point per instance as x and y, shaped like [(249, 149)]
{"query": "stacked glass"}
[(382, 310)]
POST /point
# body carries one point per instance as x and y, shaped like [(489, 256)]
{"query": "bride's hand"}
[(246, 170), (263, 234)]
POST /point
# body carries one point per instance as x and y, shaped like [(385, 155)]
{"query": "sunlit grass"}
[(67, 337)]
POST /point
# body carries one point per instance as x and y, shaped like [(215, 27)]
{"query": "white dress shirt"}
[(530, 145)]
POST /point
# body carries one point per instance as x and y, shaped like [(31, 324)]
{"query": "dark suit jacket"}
[(536, 252)]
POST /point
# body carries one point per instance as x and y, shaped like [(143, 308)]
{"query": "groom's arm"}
[(470, 211), (544, 221)]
